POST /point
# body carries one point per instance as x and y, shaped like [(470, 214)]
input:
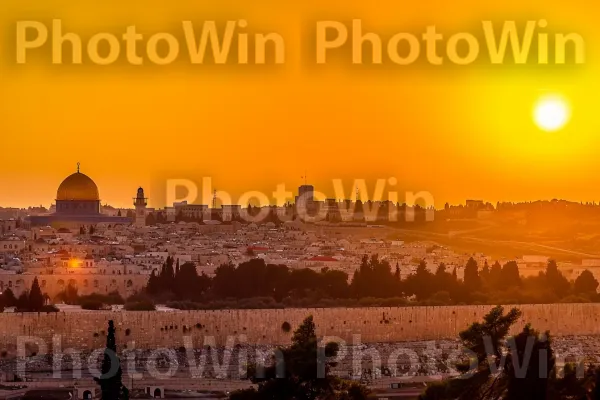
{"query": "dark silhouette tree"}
[(495, 277), (510, 276), (153, 286), (529, 364), (555, 280), (8, 298), (302, 372), (36, 298), (23, 301), (110, 381), (472, 282), (585, 283), (419, 283), (484, 274), (485, 340)]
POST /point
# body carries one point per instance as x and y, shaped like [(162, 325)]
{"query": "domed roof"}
[(78, 186)]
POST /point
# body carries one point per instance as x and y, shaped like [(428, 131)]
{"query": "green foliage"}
[(302, 372), (183, 282), (70, 295), (110, 379), (8, 298), (585, 283), (142, 305), (36, 298), (472, 281), (112, 298), (91, 305), (374, 283), (528, 365)]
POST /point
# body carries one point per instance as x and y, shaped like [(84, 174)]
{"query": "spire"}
[(78, 164)]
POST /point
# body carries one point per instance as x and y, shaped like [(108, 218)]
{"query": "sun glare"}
[(551, 113)]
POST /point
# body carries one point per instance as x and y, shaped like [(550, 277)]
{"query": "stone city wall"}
[(147, 330)]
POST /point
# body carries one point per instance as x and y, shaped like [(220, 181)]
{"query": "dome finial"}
[(78, 164)]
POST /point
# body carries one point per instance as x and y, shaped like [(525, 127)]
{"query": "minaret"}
[(140, 202)]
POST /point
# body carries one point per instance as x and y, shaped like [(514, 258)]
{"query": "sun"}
[(551, 113)]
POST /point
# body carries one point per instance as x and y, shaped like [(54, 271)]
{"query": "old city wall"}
[(86, 330)]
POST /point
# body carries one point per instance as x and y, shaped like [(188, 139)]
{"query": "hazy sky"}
[(457, 132)]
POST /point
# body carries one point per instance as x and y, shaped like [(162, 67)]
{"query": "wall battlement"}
[(149, 330)]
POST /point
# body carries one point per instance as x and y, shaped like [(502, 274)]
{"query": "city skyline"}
[(457, 133), (349, 188)]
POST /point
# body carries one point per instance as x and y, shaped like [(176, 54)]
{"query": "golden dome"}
[(78, 187)]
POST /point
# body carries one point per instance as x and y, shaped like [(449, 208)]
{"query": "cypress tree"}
[(110, 381), (36, 298)]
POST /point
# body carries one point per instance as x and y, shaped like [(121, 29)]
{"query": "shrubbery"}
[(92, 305), (375, 283), (142, 305)]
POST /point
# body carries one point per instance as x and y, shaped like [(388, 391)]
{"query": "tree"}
[(585, 283), (509, 276), (110, 381), (153, 285), (485, 341), (23, 301), (529, 364), (495, 277), (471, 278), (9, 299), (302, 372), (419, 283), (556, 281), (36, 298), (70, 295), (485, 274)]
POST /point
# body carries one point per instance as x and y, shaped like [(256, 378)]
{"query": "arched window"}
[(129, 283)]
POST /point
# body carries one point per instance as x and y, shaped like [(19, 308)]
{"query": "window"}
[(96, 283)]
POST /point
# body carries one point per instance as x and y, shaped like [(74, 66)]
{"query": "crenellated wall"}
[(86, 330)]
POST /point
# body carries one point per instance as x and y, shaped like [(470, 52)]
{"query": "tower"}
[(140, 202)]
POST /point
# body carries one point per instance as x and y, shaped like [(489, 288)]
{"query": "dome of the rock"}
[(78, 186)]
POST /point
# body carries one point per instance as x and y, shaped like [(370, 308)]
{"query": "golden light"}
[(551, 113)]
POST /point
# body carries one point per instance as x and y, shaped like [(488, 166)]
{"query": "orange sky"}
[(457, 132)]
